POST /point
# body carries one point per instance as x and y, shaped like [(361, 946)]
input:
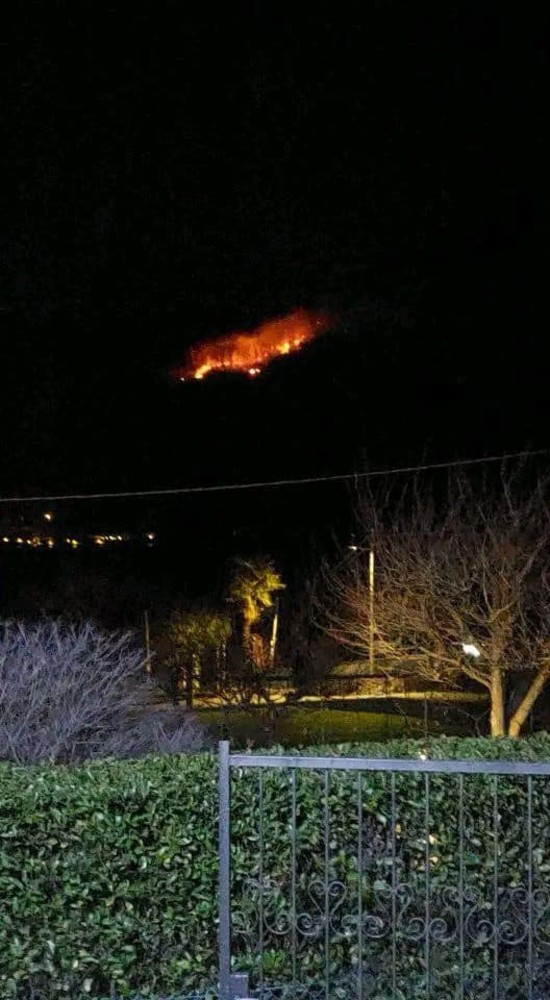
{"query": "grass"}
[(299, 725)]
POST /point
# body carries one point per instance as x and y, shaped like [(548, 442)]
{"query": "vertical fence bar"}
[(225, 871), (461, 883), (529, 887), (427, 915), (393, 891), (293, 905), (261, 876), (495, 885), (360, 884), (327, 885)]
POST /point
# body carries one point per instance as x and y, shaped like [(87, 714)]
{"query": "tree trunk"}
[(498, 727), (247, 638), (274, 630), (189, 683), (192, 679), (526, 704)]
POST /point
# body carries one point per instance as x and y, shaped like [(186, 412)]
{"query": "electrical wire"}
[(270, 484)]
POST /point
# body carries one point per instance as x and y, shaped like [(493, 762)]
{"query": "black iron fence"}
[(356, 878), (262, 687)]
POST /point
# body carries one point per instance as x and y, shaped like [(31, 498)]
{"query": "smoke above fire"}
[(253, 351)]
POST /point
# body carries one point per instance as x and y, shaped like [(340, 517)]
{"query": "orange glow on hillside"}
[(251, 352)]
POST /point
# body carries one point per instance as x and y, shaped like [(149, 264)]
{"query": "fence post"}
[(225, 873), (239, 986)]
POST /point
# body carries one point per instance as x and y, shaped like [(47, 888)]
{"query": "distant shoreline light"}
[(37, 541)]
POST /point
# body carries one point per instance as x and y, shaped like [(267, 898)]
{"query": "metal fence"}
[(356, 878)]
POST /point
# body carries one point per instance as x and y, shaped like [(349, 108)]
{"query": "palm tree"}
[(252, 587)]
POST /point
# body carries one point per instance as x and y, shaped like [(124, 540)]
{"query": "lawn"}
[(300, 725)]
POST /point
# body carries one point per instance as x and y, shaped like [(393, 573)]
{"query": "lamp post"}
[(371, 610), (355, 548), (147, 641)]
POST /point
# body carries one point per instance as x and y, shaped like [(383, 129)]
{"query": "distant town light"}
[(48, 516), (151, 536)]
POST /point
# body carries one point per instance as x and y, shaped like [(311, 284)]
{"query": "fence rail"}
[(265, 688), (381, 878), (420, 766)]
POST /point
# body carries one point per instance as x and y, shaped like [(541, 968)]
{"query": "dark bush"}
[(74, 693)]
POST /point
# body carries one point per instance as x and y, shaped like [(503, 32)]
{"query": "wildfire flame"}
[(251, 352)]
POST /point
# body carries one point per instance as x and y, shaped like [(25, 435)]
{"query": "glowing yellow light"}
[(5, 539), (48, 516), (51, 543), (19, 541), (151, 536)]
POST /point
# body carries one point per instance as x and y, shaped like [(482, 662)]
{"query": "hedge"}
[(108, 872)]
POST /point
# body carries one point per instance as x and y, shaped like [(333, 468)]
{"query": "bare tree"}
[(462, 588), (73, 693)]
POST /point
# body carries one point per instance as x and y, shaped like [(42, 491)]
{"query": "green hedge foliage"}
[(108, 872)]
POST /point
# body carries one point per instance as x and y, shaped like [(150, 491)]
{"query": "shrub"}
[(108, 877), (74, 693), (108, 872)]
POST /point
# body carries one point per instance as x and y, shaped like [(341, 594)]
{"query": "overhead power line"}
[(271, 483)]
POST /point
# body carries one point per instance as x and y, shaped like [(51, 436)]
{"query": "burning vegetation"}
[(251, 352)]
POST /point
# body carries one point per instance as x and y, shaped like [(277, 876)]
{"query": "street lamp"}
[(471, 650), (371, 609), (355, 548)]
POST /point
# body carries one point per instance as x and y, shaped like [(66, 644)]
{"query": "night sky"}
[(169, 178)]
